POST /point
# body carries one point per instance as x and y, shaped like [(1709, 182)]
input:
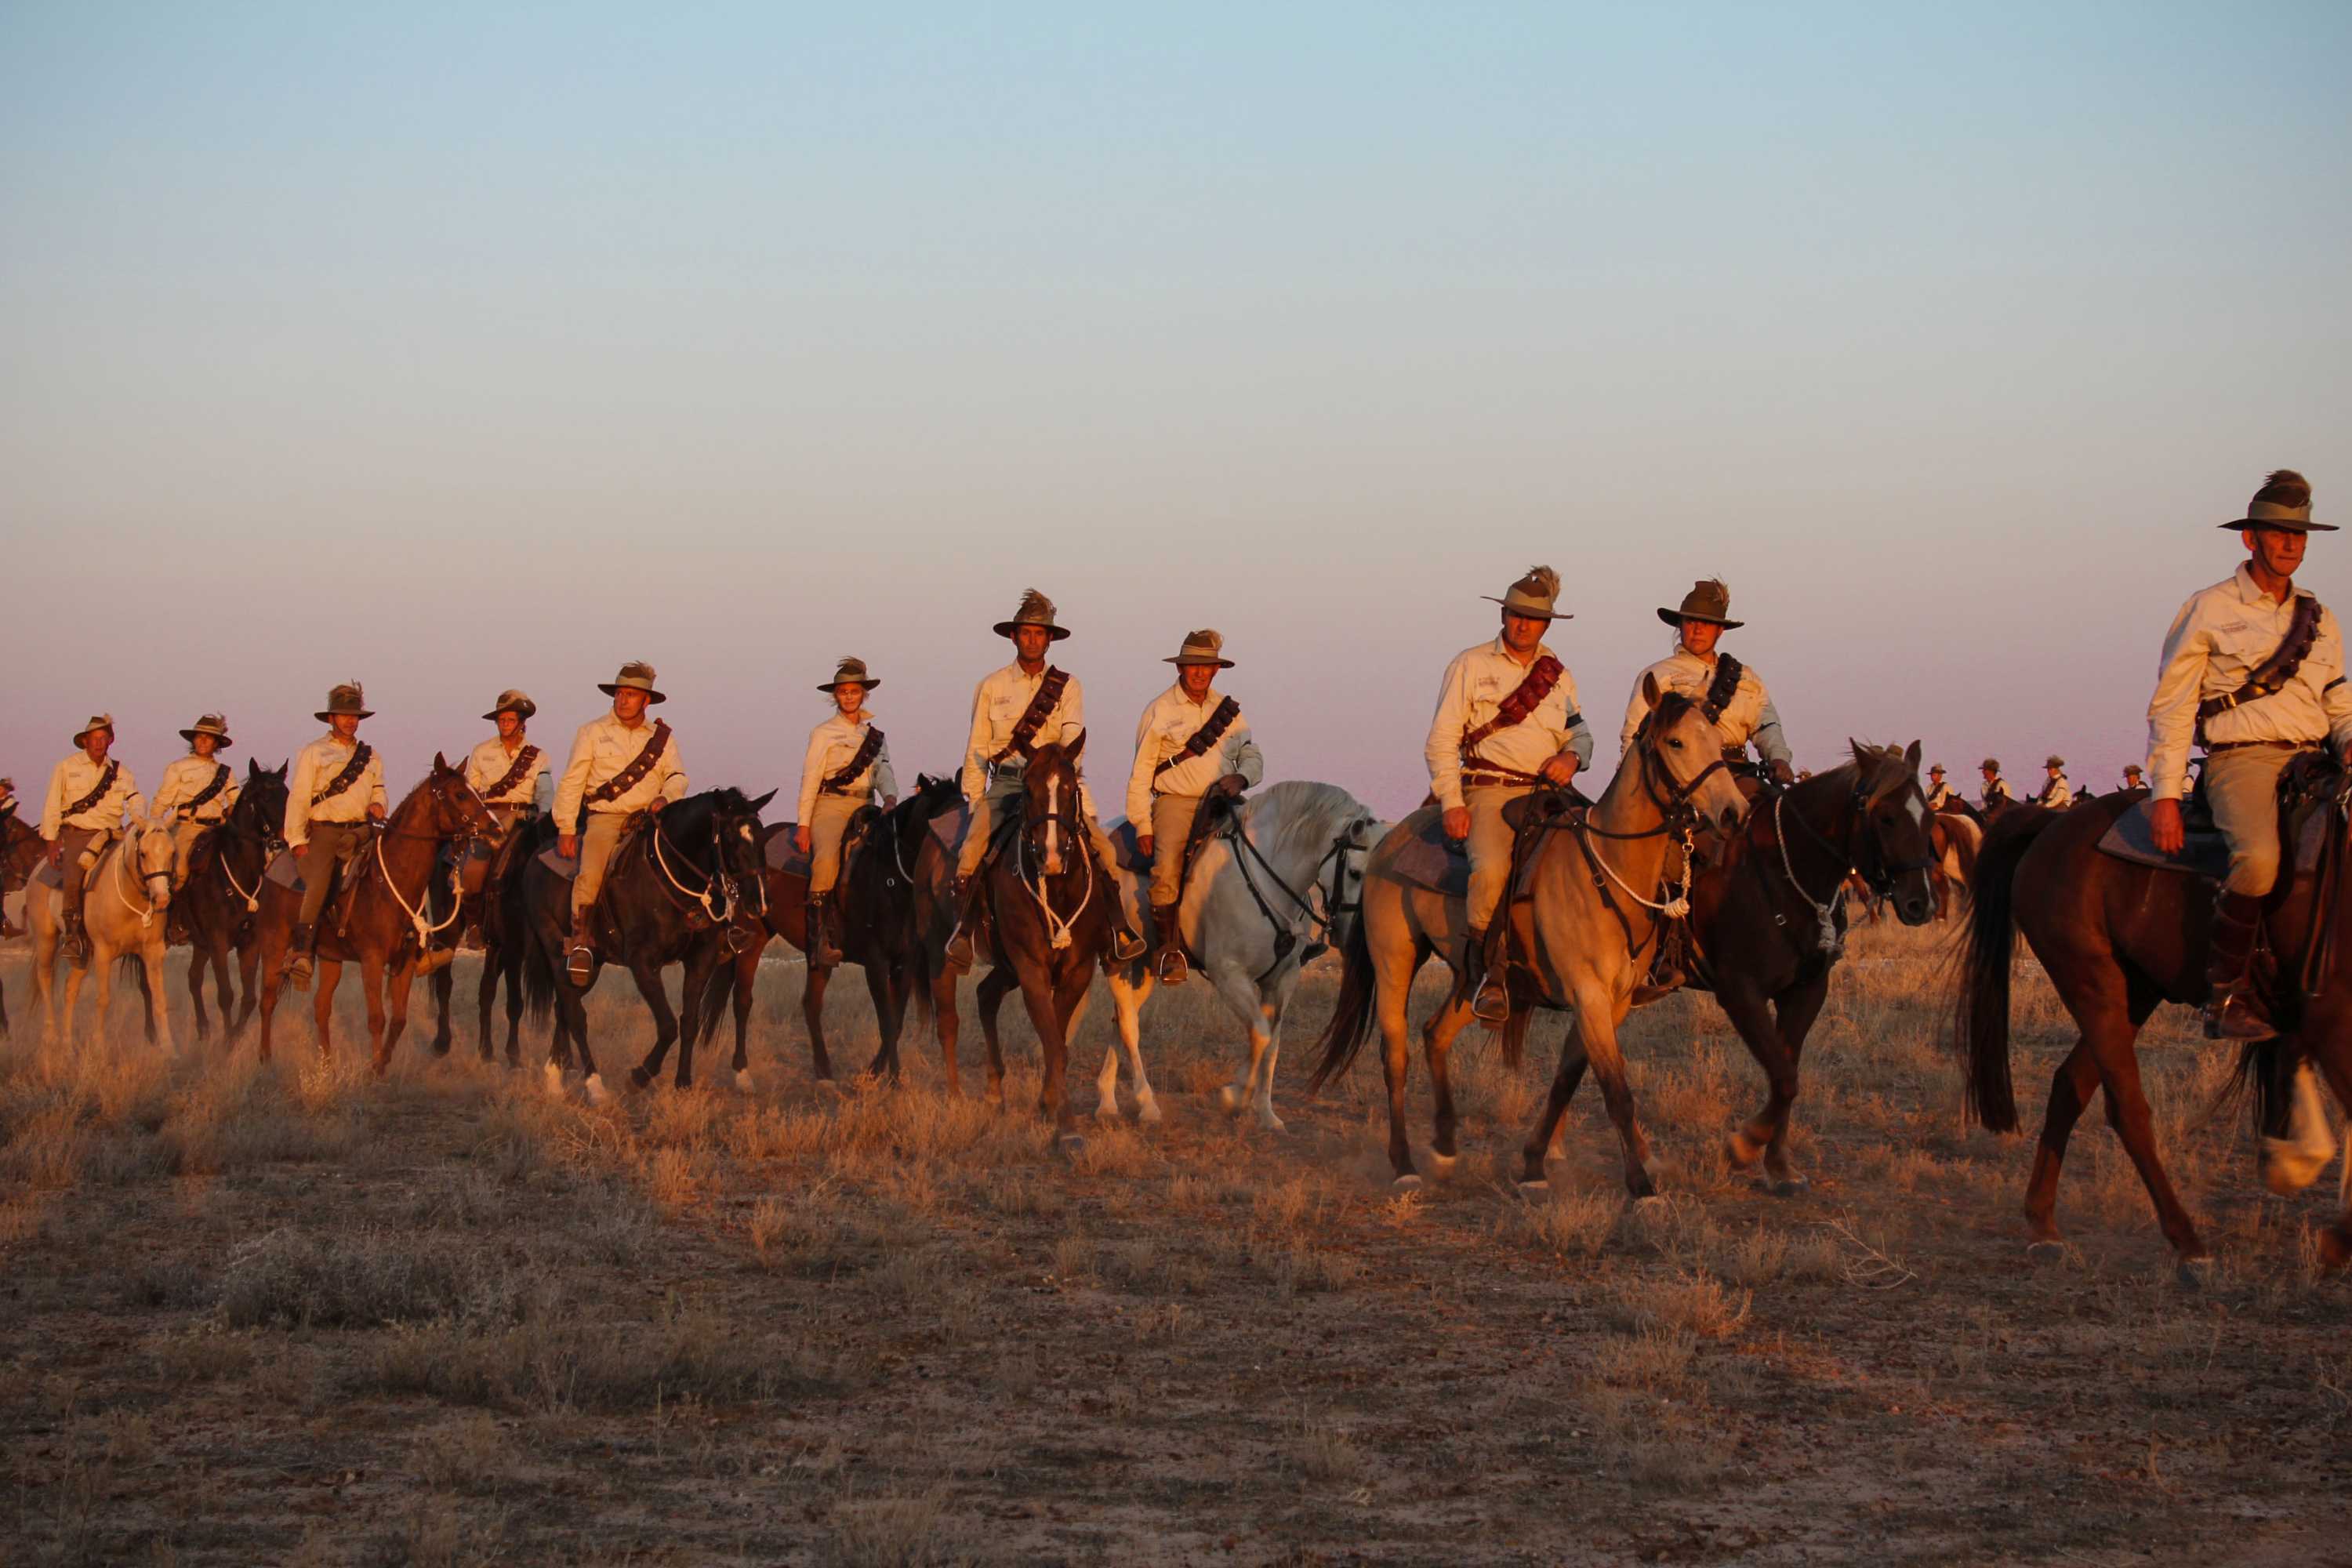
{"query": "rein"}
[(1056, 926), (121, 856), (419, 913), (715, 911), (1285, 935), (1675, 813)]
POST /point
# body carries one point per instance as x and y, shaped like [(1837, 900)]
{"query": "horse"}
[(382, 918), (124, 913), (1767, 919), (2116, 939), (669, 896), (21, 849), (224, 892), (504, 936), (876, 904), (1572, 924), (1285, 867), (1956, 839)]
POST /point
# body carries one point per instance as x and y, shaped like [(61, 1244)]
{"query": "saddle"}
[(1214, 812), (286, 872), (2309, 784)]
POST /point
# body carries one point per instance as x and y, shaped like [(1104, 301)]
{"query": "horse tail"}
[(2263, 1069), (1351, 1014), (1981, 1022), (537, 979)]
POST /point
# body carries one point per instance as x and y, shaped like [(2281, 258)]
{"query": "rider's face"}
[(1523, 634), (509, 724), (1699, 637), (1030, 643), (96, 744), (2277, 551), (849, 697), (628, 704), (1195, 679), (347, 725), (204, 745)]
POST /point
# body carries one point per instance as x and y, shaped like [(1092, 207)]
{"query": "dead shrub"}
[(1696, 1303), (469, 1454), (291, 1278), (1567, 1223), (907, 1530)]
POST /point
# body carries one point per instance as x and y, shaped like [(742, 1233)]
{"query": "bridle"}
[(466, 835), (124, 849), (1034, 824), (1878, 872), (1676, 816), (265, 839), (1353, 841), (713, 898)]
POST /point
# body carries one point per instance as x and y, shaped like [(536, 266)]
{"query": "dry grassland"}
[(293, 1315)]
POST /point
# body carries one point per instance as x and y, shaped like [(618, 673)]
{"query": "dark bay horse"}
[(2117, 939), (223, 896), (1767, 926), (670, 896), (876, 904), (20, 854), (1587, 926), (376, 922)]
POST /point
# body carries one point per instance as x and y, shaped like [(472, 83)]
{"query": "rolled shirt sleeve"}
[(2173, 711), (976, 749), (1444, 749), (1769, 742)]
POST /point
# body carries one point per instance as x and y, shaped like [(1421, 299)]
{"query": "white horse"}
[(1253, 913), (123, 914)]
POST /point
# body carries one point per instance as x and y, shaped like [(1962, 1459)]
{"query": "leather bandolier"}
[(1513, 710), (838, 781), (513, 777), (107, 775), (188, 808), (641, 764), (1048, 697), (1221, 719)]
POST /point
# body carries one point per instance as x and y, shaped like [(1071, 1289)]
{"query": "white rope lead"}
[(1833, 942), (1674, 908), (1056, 926), (426, 930)]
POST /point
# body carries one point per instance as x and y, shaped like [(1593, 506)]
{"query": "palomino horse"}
[(224, 894), (669, 895), (1279, 881), (2118, 938), (382, 918), (1591, 883), (1767, 924), (1954, 839), (875, 896), (123, 913)]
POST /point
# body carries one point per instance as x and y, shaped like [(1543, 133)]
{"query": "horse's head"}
[(260, 809), (1051, 806), (1343, 896), (1681, 758), (1891, 846), (457, 809), (735, 855), (154, 851)]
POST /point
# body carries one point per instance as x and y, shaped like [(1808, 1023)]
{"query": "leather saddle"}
[(2309, 785)]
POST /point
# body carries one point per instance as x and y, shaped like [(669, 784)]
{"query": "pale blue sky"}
[(455, 348)]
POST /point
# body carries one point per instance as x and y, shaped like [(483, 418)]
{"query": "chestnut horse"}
[(377, 920), (2118, 938)]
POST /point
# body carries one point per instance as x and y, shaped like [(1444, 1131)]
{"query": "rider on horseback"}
[(337, 789), (1506, 721), (196, 792), (1190, 743), (90, 797), (1939, 794), (2132, 776), (2254, 671), (506, 769), (1732, 694), (2057, 795), (1996, 788), (1016, 709), (848, 768), (619, 766)]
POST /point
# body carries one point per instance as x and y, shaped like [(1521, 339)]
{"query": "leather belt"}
[(2212, 747), (1497, 781)]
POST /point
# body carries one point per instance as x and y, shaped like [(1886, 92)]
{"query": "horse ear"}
[(282, 769), (1074, 747), (252, 768), (1650, 693), (761, 805), (1861, 758), (441, 764), (1912, 756)]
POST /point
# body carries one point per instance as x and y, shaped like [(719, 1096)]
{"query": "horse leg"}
[(1597, 1017), (1394, 993), (322, 1004), (445, 982), (196, 956), (649, 986), (1126, 999), (392, 999), (485, 995), (700, 966), (1437, 1045), (815, 984), (511, 963), (2127, 1113), (372, 969), (248, 991), (1763, 1138), (889, 1017), (158, 1013), (987, 999), (266, 1002), (945, 1025), (1043, 999), (1252, 1084), (2334, 1064)]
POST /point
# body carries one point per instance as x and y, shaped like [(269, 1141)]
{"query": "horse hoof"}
[(743, 1081), (2287, 1169), (2045, 1252), (1650, 1206), (2334, 1249), (1107, 1111), (1742, 1151), (1787, 1187), (1535, 1188), (553, 1076), (594, 1088), (2194, 1273), (1148, 1114), (1408, 1183), (1072, 1144), (1231, 1099), (1442, 1164), (640, 1078)]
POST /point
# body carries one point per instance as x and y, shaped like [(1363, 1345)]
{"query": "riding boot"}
[(965, 896), (298, 949), (1491, 1002), (1666, 975), (2233, 1010), (580, 953), (1126, 947), (1173, 966), (77, 943), (824, 949)]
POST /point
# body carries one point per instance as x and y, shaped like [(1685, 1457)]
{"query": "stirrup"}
[(2231, 1015), (1173, 967), (1125, 945), (1492, 1005), (580, 962)]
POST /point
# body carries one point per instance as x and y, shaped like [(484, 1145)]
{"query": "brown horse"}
[(1587, 921), (1768, 923), (20, 856), (2117, 939), (224, 894), (1955, 839), (876, 908), (376, 922)]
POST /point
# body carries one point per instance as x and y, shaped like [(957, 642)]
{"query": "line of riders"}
[(2251, 671)]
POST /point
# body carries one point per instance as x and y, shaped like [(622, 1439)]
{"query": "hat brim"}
[(331, 718), (614, 689), (1006, 628), (522, 713), (2245, 523), (1181, 659), (1530, 615), (1675, 618), (190, 737), (84, 734), (870, 683)]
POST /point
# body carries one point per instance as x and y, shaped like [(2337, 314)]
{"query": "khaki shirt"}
[(604, 748), (1473, 687), (1939, 798), (1169, 720), (1748, 719), (486, 764), (316, 766), (1996, 791), (997, 705), (831, 746), (2057, 795), (185, 779), (2216, 641), (76, 777)]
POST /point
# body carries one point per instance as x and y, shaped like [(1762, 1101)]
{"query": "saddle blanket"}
[(1121, 835), (46, 875), (1420, 854), (2206, 854), (565, 868), (782, 853), (284, 870), (948, 826)]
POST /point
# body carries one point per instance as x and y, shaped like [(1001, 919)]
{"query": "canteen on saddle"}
[(2308, 787)]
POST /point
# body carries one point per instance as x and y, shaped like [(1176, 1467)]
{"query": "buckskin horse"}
[(1767, 926), (223, 893), (1278, 880), (2118, 938), (1588, 895), (124, 913), (875, 899), (379, 918), (669, 895)]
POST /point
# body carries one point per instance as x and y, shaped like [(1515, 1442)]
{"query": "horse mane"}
[(1880, 770), (1306, 815)]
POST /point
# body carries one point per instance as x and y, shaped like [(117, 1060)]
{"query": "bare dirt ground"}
[(285, 1313)]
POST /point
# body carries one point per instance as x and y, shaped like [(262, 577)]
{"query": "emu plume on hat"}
[(1708, 600), (850, 671), (1203, 646), (97, 722), (213, 724), (512, 702), (636, 676), (347, 698), (1037, 610), (1533, 596), (2283, 502), (2053, 760)]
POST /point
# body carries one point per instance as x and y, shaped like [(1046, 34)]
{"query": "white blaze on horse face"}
[(1918, 807), (1054, 825)]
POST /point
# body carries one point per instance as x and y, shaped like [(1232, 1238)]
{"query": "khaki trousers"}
[(598, 835), (1490, 847), (984, 810), (2241, 783), (1172, 825), (81, 847), (333, 843), (183, 844), (828, 822)]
